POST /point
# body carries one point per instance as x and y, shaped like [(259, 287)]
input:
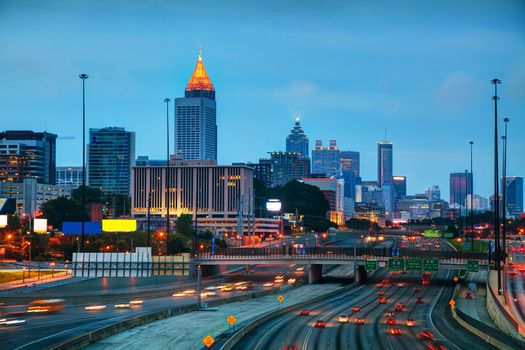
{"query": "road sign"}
[(208, 341), (280, 298), (472, 266), (452, 303), (371, 265), (430, 264), (456, 279), (396, 264), (231, 320), (414, 264)]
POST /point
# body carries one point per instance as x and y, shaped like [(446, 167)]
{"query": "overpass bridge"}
[(393, 258)]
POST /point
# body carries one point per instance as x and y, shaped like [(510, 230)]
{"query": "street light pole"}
[(167, 101), (497, 256), (471, 143), (83, 76), (504, 192), (149, 219)]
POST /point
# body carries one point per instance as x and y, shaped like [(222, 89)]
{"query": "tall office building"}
[(69, 177), (384, 162), (196, 118), (26, 154), (514, 195), (400, 186), (287, 166), (349, 162), (433, 193), (110, 156), (297, 141), (460, 187), (262, 171), (326, 160)]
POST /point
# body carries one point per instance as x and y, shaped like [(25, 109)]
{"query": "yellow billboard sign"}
[(117, 225)]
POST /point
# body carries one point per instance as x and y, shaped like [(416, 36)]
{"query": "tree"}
[(58, 210), (317, 223), (184, 225), (92, 195), (306, 199)]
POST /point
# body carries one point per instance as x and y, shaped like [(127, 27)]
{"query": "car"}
[(356, 309), (390, 321), (395, 331), (410, 322), (390, 314), (436, 347), (522, 248), (425, 335), (513, 272), (343, 318), (290, 347), (381, 293), (399, 307), (45, 306), (419, 300), (360, 320), (382, 300), (417, 290), (401, 284), (468, 295), (319, 324), (305, 312), (425, 282)]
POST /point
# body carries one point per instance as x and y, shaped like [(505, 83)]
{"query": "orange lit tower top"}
[(200, 84)]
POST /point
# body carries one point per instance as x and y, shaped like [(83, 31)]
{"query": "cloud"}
[(455, 91)]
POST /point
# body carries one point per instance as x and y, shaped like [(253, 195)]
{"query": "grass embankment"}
[(479, 246), (10, 276)]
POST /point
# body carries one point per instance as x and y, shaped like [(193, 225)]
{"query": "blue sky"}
[(349, 69)]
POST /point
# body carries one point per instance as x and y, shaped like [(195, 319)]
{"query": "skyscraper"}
[(287, 166), (26, 153), (349, 165), (110, 156), (297, 141), (400, 186), (460, 187), (326, 160), (196, 118), (433, 193), (384, 162), (514, 195)]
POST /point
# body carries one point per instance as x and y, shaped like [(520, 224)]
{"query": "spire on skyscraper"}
[(200, 81)]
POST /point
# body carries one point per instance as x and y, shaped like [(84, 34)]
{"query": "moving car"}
[(390, 321), (419, 300), (390, 314), (44, 306), (356, 309), (381, 293), (360, 320), (410, 322), (399, 307), (395, 331), (343, 318), (305, 312), (417, 290), (382, 300), (425, 335), (319, 324), (290, 347)]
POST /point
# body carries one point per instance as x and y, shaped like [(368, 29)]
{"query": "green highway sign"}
[(430, 264), (472, 266), (371, 265), (414, 264), (396, 264)]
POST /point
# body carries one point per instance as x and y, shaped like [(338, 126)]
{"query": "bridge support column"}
[(315, 273), (361, 274)]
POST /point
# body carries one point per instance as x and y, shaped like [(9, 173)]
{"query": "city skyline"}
[(431, 108)]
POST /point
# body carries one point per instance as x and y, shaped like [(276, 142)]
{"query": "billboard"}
[(118, 225), (40, 225), (75, 227), (273, 205), (3, 221), (7, 205)]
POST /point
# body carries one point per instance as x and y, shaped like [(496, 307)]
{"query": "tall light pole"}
[(471, 143), (497, 256), (83, 76), (504, 191), (167, 101)]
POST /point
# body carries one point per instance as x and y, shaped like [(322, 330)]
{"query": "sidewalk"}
[(187, 331)]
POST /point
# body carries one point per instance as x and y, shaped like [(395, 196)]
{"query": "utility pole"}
[(149, 219), (167, 101), (83, 77), (504, 192), (495, 98), (471, 143)]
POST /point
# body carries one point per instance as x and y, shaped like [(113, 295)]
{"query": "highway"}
[(296, 331), (515, 281)]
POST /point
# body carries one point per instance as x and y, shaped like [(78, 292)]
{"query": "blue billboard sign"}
[(75, 228)]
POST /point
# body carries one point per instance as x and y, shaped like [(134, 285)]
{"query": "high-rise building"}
[(384, 162), (69, 177), (349, 162), (400, 186), (262, 171), (297, 141), (110, 156), (26, 154), (326, 160), (460, 187), (514, 195), (478, 203), (196, 118), (433, 193), (288, 166), (145, 161)]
